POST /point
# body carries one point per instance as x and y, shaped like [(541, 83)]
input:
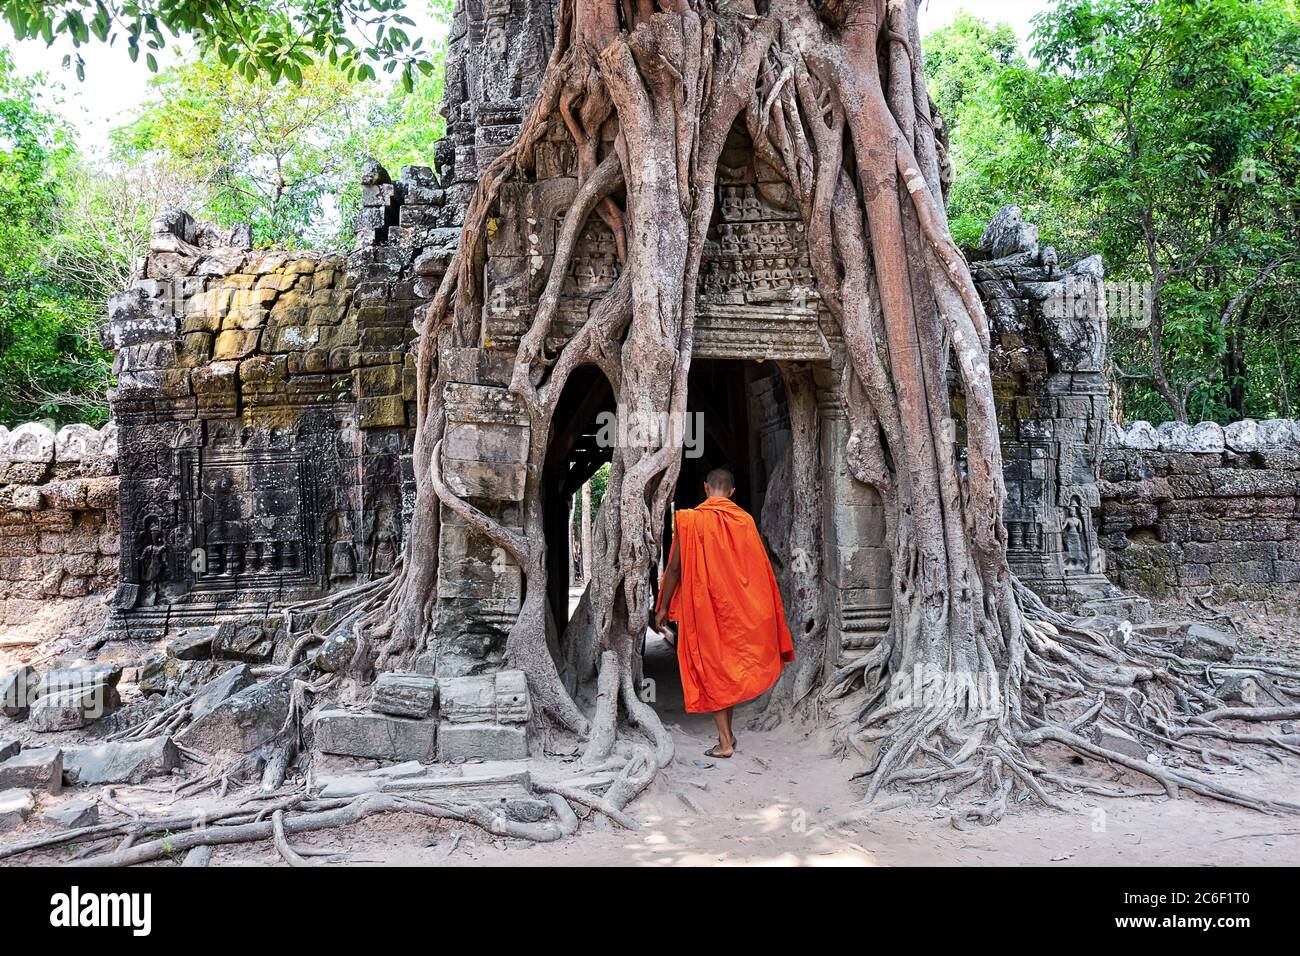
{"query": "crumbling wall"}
[(263, 400), (1048, 326), (1187, 507), (58, 515)]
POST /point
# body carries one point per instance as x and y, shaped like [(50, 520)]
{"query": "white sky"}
[(114, 84)]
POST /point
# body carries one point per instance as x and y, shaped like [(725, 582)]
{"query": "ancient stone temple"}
[(264, 398)]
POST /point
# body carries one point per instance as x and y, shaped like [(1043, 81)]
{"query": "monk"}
[(720, 589)]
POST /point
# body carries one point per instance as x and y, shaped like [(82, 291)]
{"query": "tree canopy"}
[(1164, 135), (275, 38), (49, 357)]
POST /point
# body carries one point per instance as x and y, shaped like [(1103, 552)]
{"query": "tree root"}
[(1078, 680), (326, 815)]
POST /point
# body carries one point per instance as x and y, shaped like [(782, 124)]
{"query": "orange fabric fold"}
[(732, 636)]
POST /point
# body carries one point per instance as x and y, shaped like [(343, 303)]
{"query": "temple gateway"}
[(265, 415)]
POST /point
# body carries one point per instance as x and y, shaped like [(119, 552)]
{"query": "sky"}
[(114, 84)]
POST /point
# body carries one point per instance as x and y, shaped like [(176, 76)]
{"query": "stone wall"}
[(1187, 507), (58, 515), (264, 401), (263, 405)]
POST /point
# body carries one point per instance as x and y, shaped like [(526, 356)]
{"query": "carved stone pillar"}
[(856, 556), (484, 458), (1049, 351)]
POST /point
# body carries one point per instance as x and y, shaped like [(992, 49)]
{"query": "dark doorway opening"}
[(738, 421), (573, 456)]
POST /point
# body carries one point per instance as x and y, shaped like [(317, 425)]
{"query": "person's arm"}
[(672, 578)]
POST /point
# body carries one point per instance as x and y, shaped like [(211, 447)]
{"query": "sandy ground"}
[(776, 802)]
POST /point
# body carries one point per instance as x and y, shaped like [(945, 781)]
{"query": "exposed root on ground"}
[(262, 816), (935, 739)]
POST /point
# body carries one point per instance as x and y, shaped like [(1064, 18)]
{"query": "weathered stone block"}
[(78, 677), (126, 762), (17, 690), (9, 748), (1206, 644), (243, 642), (76, 442), (72, 709), (513, 704), (1254, 690), (133, 318), (468, 699), (459, 742), (405, 695), (379, 380), (1118, 741), (72, 814), (386, 412), (242, 722), (236, 343), (36, 768), (15, 807), (376, 736), (32, 442), (472, 441), (336, 652), (479, 479), (220, 689), (193, 645)]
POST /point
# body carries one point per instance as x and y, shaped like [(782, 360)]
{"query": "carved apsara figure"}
[(343, 553), (151, 558)]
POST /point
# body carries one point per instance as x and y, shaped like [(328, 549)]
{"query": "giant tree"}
[(974, 672)]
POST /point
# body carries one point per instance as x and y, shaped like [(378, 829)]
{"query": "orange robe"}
[(732, 636)]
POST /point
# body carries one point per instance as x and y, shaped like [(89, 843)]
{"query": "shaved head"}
[(720, 481)]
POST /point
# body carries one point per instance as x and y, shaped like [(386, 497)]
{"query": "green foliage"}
[(284, 156), (994, 162), (599, 485), (272, 155), (255, 38), (50, 360), (1166, 135), (407, 124)]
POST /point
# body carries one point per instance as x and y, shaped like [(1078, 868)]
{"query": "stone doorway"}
[(575, 453), (738, 420)]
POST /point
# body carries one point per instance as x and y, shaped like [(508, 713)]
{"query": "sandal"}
[(735, 745)]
